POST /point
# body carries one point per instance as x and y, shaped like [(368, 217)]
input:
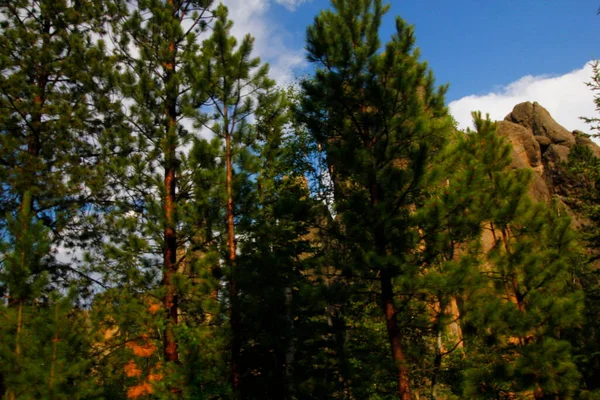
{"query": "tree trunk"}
[(388, 303), (11, 392), (33, 152), (338, 328), (55, 340), (170, 300), (393, 330), (233, 286), (437, 363), (290, 350)]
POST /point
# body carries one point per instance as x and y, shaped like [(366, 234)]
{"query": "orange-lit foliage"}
[(142, 389), (154, 308), (131, 369), (154, 377), (144, 386), (109, 333), (142, 348)]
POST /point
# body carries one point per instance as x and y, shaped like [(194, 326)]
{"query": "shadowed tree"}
[(379, 118), (237, 86)]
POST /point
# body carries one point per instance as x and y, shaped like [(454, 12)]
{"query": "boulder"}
[(541, 123), (555, 159), (526, 153), (557, 154), (530, 122), (539, 189), (526, 149), (543, 141)]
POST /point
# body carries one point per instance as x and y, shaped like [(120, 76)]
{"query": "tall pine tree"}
[(524, 302), (238, 89), (147, 224), (52, 69), (379, 118)]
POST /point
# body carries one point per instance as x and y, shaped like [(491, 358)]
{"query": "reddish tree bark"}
[(170, 299), (233, 286), (393, 330), (33, 152), (388, 304)]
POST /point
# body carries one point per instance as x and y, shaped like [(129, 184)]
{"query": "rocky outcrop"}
[(538, 120), (526, 149), (543, 145)]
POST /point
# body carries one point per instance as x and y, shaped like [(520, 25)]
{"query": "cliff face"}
[(543, 145)]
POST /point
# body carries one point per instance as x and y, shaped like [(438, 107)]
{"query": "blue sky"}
[(491, 52)]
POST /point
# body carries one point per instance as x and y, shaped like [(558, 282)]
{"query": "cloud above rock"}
[(566, 97)]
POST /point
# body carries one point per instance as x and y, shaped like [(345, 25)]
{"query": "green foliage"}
[(379, 252), (379, 118), (584, 169), (51, 79), (151, 259), (594, 86), (525, 302), (53, 360), (51, 89)]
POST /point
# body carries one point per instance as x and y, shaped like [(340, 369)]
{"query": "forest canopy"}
[(175, 224)]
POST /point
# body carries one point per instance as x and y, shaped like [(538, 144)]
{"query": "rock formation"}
[(543, 145)]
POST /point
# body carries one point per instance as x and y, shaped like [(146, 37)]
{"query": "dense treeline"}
[(176, 225)]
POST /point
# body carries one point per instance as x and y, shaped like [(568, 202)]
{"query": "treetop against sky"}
[(494, 54)]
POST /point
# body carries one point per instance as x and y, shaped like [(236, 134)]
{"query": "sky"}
[(493, 54)]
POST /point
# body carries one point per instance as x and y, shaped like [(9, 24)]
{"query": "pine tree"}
[(158, 50), (55, 355), (275, 254), (379, 118), (526, 301), (206, 285), (451, 223), (51, 83), (238, 87), (594, 86), (484, 243), (583, 170)]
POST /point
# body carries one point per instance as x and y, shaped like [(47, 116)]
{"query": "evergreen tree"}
[(525, 303), (584, 171), (275, 255), (379, 118), (239, 88), (54, 359), (206, 272), (147, 222), (594, 86), (51, 84)]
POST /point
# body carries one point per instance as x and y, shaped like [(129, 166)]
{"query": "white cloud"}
[(566, 97), (252, 17), (290, 4)]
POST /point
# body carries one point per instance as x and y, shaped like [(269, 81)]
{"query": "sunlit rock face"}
[(536, 118), (543, 145)]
